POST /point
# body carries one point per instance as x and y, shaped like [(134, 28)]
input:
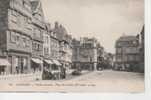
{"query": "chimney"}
[(56, 25)]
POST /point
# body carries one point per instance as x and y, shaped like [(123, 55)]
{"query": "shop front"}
[(47, 75), (19, 63), (52, 70), (47, 63), (36, 65), (16, 67), (4, 64), (56, 69)]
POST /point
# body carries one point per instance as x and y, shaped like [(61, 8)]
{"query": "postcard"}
[(72, 46)]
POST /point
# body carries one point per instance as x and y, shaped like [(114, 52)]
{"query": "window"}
[(119, 44), (125, 58), (54, 67), (20, 2), (13, 16), (24, 42), (26, 5), (47, 50), (17, 39), (13, 37), (14, 13), (20, 20), (28, 24), (16, 65), (128, 50), (47, 39), (119, 58), (25, 21), (137, 58), (44, 50), (34, 46), (37, 32), (134, 42), (28, 21), (131, 57), (131, 50), (119, 50), (38, 47), (25, 64), (28, 43)]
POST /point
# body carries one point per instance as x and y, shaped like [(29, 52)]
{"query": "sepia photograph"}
[(72, 46)]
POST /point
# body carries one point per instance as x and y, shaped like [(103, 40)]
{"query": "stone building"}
[(51, 62), (39, 28), (16, 35), (68, 48), (85, 53), (75, 53), (127, 53), (65, 48), (100, 56), (142, 49), (46, 47), (54, 46)]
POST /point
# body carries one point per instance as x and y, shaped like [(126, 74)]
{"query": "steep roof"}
[(34, 4), (127, 38), (37, 7), (142, 32), (61, 32)]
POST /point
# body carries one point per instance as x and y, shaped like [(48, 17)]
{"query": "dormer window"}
[(26, 5)]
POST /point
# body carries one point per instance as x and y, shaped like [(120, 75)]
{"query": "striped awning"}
[(48, 61), (36, 60), (4, 62), (57, 62)]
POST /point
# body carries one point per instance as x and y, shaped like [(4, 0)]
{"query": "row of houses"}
[(86, 53), (28, 43), (130, 53)]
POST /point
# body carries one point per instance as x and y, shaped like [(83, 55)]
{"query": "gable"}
[(37, 10)]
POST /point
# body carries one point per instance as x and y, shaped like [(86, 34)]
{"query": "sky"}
[(106, 20)]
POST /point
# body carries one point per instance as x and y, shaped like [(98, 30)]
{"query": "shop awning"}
[(36, 60), (48, 61), (4, 62), (57, 62)]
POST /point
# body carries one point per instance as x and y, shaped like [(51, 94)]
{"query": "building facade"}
[(54, 46), (142, 50), (16, 34), (142, 47), (39, 28), (100, 57), (127, 53), (75, 53), (46, 47), (65, 48), (27, 42), (85, 53), (68, 48)]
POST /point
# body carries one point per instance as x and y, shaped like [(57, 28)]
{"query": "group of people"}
[(59, 73)]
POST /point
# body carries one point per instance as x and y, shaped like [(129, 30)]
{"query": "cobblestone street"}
[(97, 81), (100, 81), (111, 81)]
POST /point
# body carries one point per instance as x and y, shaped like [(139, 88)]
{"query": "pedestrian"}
[(17, 69)]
